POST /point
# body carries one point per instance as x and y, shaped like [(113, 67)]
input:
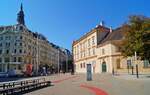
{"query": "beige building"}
[(102, 49), (85, 49), (108, 52)]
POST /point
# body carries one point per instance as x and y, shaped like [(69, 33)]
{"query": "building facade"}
[(102, 49), (19, 47), (85, 49)]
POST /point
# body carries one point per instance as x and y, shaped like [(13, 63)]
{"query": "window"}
[(103, 51), (15, 44), (146, 64), (1, 51), (0, 59), (15, 51), (118, 49), (19, 59), (20, 51), (7, 59), (8, 38), (84, 54), (20, 44), (1, 44), (24, 51), (93, 40), (21, 37), (7, 44), (81, 65), (93, 51), (1, 38), (80, 47), (29, 47), (89, 51), (80, 54), (19, 67), (15, 59), (7, 51), (1, 67), (89, 42), (21, 28)]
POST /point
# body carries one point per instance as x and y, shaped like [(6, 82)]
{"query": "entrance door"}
[(89, 72), (104, 67)]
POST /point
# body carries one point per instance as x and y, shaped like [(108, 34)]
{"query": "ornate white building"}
[(19, 46)]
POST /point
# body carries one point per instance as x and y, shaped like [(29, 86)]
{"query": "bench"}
[(13, 88)]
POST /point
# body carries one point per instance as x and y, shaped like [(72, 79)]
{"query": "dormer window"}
[(21, 28)]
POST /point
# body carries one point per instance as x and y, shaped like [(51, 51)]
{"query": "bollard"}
[(128, 68), (132, 70), (137, 72), (113, 72)]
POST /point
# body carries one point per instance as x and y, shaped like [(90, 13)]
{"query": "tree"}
[(137, 37)]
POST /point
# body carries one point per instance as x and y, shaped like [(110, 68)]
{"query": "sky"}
[(63, 21)]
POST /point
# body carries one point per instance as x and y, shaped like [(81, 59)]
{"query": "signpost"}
[(89, 72)]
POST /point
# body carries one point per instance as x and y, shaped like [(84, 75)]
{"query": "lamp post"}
[(37, 55), (137, 72), (58, 62), (66, 62)]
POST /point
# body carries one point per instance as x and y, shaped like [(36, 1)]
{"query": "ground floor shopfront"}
[(16, 68)]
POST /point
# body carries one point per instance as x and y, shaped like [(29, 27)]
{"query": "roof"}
[(99, 28), (116, 35)]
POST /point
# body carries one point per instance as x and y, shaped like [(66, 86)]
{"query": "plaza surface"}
[(102, 84)]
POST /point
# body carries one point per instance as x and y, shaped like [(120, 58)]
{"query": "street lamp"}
[(66, 62), (37, 55), (137, 72), (58, 62)]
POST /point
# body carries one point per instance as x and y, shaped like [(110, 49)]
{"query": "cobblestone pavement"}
[(102, 84)]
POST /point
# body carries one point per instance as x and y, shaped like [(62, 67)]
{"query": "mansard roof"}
[(116, 35)]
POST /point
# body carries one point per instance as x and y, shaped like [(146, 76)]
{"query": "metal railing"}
[(25, 86)]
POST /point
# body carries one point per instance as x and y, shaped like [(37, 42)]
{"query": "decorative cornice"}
[(87, 58)]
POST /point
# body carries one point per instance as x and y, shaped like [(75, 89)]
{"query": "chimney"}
[(110, 29), (96, 26), (102, 23)]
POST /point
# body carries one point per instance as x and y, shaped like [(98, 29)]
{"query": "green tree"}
[(137, 37)]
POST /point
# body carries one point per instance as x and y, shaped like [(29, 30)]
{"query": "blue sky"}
[(63, 21)]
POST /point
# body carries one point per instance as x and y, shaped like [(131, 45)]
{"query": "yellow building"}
[(109, 56), (84, 49), (102, 49)]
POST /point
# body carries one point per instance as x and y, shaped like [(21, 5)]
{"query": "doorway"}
[(104, 67)]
